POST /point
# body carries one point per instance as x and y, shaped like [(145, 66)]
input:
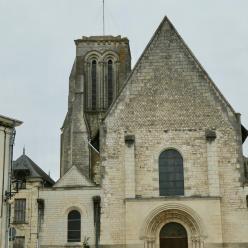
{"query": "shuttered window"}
[(171, 176), (74, 226), (20, 210)]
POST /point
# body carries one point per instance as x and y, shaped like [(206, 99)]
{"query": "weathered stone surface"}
[(82, 121), (167, 102)]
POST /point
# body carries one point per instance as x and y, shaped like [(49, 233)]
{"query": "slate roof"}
[(25, 163)]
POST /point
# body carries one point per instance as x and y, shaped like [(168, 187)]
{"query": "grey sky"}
[(37, 52)]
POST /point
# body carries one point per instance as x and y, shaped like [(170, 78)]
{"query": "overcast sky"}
[(37, 51)]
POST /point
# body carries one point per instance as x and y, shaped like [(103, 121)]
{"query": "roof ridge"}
[(137, 64), (209, 79), (70, 170)]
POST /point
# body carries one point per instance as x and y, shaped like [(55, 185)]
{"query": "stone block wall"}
[(82, 123), (170, 102), (58, 203), (51, 229), (29, 228)]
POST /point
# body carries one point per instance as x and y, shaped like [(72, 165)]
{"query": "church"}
[(151, 157)]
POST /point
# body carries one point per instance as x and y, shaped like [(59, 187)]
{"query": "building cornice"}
[(9, 122)]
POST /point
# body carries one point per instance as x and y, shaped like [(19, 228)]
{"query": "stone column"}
[(193, 243), (149, 243), (197, 243), (212, 160), (201, 244), (129, 166)]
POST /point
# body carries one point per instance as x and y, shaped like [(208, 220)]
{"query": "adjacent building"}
[(7, 137), (41, 207)]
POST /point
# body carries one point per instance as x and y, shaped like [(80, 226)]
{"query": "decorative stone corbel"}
[(129, 140), (210, 135)]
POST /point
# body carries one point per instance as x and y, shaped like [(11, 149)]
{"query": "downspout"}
[(12, 142), (97, 215)]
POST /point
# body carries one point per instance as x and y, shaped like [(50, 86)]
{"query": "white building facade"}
[(7, 136)]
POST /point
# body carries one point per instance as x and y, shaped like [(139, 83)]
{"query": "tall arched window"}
[(93, 85), (74, 226), (110, 82), (171, 178)]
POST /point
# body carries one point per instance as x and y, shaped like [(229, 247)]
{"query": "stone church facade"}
[(150, 157)]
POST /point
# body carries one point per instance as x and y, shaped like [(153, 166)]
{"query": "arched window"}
[(171, 179), (74, 226), (173, 235), (110, 82), (93, 85)]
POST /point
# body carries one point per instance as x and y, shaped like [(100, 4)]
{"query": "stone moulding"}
[(173, 212)]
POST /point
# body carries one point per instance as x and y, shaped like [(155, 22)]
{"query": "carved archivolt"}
[(173, 213)]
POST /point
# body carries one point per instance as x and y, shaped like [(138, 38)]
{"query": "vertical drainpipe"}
[(97, 212)]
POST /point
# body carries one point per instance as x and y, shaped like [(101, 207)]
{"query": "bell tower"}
[(101, 66)]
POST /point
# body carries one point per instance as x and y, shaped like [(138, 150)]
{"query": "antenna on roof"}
[(103, 17), (23, 152)]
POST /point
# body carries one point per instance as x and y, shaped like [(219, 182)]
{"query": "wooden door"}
[(173, 235)]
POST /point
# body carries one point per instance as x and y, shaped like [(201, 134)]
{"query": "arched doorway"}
[(173, 235)]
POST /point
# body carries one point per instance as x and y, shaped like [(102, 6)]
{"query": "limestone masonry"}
[(150, 157)]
